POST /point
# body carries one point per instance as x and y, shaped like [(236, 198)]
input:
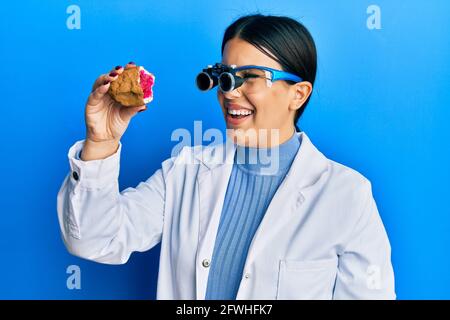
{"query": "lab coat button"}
[(247, 275), (205, 263), (75, 175)]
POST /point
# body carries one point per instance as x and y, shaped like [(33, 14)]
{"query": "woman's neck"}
[(263, 138), (275, 159)]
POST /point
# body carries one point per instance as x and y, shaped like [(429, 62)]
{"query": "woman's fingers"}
[(118, 69), (130, 64), (126, 113), (111, 76), (101, 85), (99, 81), (115, 72), (97, 95)]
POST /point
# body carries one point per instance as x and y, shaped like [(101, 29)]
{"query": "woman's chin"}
[(243, 135)]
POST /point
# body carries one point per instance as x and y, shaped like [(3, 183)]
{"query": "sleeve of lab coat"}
[(100, 223), (365, 270)]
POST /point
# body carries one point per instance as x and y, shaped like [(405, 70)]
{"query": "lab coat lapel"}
[(212, 180)]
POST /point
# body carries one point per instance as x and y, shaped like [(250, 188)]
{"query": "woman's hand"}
[(106, 119)]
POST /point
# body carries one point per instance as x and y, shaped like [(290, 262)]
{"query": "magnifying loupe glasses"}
[(209, 77), (229, 77)]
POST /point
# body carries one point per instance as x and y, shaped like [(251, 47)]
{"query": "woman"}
[(306, 229)]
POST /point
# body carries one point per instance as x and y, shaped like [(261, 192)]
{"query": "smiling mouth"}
[(238, 114)]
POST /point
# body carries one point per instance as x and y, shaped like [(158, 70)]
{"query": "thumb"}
[(126, 113), (97, 95)]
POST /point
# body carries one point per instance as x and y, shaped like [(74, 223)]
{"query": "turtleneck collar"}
[(268, 160)]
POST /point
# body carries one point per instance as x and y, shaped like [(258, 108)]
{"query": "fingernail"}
[(106, 82), (131, 62), (113, 74), (118, 67)]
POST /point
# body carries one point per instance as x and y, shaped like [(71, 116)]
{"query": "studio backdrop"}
[(380, 105)]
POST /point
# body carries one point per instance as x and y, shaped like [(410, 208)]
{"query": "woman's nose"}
[(236, 93)]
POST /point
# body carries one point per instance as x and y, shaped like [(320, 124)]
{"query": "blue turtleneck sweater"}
[(252, 185)]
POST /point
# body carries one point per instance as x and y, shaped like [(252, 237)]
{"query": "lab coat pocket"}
[(312, 279)]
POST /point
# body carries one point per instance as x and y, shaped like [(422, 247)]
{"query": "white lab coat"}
[(321, 236)]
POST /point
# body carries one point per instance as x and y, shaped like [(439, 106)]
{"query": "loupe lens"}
[(204, 81), (226, 82)]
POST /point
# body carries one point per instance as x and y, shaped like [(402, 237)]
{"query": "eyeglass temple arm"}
[(276, 74)]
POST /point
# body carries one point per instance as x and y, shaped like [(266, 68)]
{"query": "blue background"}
[(380, 105)]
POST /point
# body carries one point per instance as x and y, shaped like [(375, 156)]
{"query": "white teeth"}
[(240, 112)]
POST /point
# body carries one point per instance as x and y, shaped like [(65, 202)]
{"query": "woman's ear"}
[(300, 93)]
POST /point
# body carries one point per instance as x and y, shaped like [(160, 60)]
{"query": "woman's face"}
[(271, 108)]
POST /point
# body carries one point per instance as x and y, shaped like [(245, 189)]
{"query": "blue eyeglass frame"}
[(276, 74)]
